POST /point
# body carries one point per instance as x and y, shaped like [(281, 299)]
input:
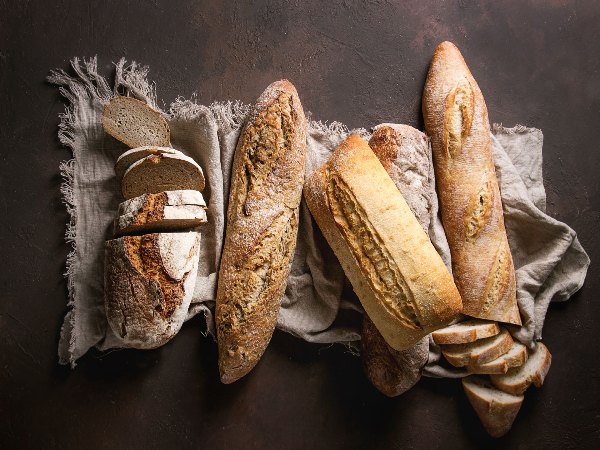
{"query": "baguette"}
[(262, 225), (394, 269), (405, 155), (148, 285), (456, 119)]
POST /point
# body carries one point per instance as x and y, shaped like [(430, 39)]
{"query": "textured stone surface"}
[(537, 64)]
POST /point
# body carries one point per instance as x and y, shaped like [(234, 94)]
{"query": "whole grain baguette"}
[(148, 285), (405, 154), (497, 410), (162, 172), (262, 224), (135, 123), (456, 119), (127, 159), (394, 269)]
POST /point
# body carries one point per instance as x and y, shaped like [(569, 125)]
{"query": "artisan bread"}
[(405, 155), (478, 352), (497, 410), (518, 379), (394, 269), (126, 160), (262, 224), (515, 357), (466, 331), (165, 211), (162, 172), (456, 119), (148, 285), (134, 123)]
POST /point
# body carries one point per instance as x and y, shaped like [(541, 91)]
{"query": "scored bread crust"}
[(126, 160), (456, 119), (164, 211), (135, 123), (148, 285), (162, 172), (262, 225), (394, 269), (466, 331), (497, 410), (517, 380)]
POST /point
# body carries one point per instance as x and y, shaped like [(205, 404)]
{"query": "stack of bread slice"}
[(485, 348), (151, 264)]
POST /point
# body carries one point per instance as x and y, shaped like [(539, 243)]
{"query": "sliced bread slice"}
[(518, 379), (478, 352), (162, 172), (515, 357), (173, 198), (125, 161), (496, 409), (464, 332), (134, 123)]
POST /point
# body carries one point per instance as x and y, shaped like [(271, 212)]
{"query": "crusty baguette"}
[(456, 119), (262, 225), (478, 352), (148, 285), (497, 410), (161, 212), (134, 123), (405, 155), (162, 172), (126, 160), (466, 331), (515, 357), (394, 269), (517, 380)]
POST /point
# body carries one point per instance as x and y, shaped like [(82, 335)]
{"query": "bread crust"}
[(148, 285), (262, 224), (456, 119), (397, 274)]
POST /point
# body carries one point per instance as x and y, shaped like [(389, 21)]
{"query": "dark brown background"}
[(360, 63)]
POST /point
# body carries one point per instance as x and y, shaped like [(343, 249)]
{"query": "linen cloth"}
[(318, 305)]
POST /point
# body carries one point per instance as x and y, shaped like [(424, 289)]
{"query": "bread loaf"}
[(126, 160), (165, 211), (456, 119), (162, 172), (262, 224), (405, 155), (148, 285), (135, 123), (398, 276)]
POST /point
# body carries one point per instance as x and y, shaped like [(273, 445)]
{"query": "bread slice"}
[(179, 197), (478, 352), (464, 332), (126, 160), (134, 123), (518, 379), (515, 357), (148, 285), (162, 172), (496, 409)]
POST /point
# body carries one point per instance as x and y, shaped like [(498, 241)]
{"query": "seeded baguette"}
[(148, 285), (394, 269), (127, 159), (134, 123), (162, 172), (456, 119), (262, 224)]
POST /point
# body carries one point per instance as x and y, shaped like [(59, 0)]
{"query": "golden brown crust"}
[(456, 120), (397, 274), (262, 224)]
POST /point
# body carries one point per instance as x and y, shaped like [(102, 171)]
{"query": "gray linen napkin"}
[(551, 264)]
